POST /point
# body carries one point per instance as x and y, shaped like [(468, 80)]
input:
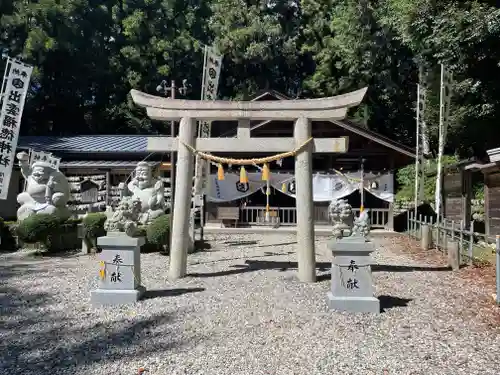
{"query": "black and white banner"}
[(213, 65), (326, 187), (210, 84), (17, 81), (211, 74)]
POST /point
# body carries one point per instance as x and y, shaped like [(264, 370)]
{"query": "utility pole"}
[(165, 90)]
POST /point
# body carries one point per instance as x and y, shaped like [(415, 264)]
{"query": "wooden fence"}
[(472, 246)]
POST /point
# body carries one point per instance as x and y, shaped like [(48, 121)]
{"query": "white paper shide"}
[(16, 88)]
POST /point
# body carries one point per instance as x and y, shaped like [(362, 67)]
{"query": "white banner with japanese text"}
[(45, 157), (18, 77)]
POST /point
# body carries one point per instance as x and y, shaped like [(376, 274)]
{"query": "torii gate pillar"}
[(306, 257), (182, 204)]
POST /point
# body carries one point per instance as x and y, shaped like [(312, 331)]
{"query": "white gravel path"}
[(242, 312)]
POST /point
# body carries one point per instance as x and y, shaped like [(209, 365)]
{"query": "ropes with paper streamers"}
[(353, 179), (268, 159), (242, 162)]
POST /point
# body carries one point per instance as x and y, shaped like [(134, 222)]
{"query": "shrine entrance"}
[(301, 146)]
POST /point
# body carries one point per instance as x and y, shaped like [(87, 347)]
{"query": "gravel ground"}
[(241, 311)]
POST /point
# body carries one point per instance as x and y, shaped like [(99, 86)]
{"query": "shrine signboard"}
[(14, 96)]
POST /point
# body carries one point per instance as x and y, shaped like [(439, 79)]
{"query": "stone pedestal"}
[(119, 270), (352, 283)]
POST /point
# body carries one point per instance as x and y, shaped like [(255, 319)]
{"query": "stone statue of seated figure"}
[(47, 190), (149, 190)]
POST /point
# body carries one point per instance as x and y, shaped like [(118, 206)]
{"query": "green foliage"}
[(478, 191), (8, 241), (93, 227), (158, 232), (141, 231), (39, 228), (50, 231), (309, 48), (464, 35), (406, 179)]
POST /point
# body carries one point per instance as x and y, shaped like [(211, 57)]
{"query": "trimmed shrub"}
[(40, 228), (8, 241), (93, 227), (141, 231), (158, 232)]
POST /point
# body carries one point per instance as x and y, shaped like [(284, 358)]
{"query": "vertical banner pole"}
[(4, 79), (444, 107), (362, 187), (497, 257), (417, 150)]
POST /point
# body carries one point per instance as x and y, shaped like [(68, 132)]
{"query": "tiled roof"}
[(86, 143), (376, 137), (103, 164), (261, 94)]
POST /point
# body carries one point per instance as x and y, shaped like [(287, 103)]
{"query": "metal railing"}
[(473, 246), (257, 215), (287, 216), (379, 217)]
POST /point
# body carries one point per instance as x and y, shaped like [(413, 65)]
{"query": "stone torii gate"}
[(302, 111)]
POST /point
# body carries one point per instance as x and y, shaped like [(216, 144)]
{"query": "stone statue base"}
[(352, 283), (357, 304), (119, 270)]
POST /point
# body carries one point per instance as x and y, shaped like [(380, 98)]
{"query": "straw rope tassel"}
[(102, 270), (243, 176), (256, 161), (220, 172), (265, 172)]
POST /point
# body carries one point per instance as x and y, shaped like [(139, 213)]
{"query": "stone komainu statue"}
[(344, 222), (342, 217), (362, 224), (125, 217), (47, 190)]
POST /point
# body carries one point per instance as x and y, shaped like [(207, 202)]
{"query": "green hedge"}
[(50, 231), (158, 232), (8, 242), (93, 227)]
